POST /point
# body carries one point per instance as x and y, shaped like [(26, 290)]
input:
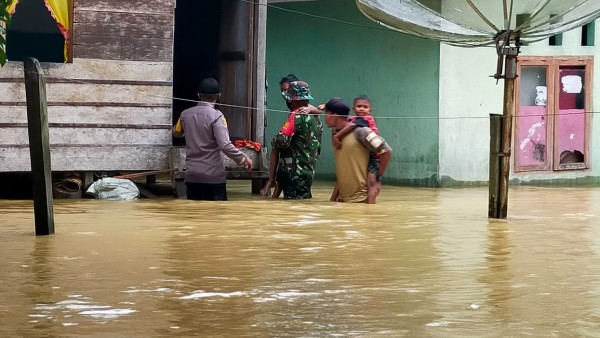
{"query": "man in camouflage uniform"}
[(299, 145)]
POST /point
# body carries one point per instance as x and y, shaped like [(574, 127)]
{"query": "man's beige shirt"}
[(351, 163)]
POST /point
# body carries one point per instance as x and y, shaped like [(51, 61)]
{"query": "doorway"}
[(214, 38), (195, 50)]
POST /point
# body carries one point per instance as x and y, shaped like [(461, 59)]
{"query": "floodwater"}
[(421, 263)]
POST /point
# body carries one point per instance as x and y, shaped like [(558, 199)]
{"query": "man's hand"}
[(246, 163), (335, 195), (177, 130), (309, 110), (304, 110)]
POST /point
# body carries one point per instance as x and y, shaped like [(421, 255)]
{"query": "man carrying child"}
[(358, 179)]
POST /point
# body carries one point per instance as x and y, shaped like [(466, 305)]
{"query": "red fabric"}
[(370, 119), (289, 128), (248, 144)]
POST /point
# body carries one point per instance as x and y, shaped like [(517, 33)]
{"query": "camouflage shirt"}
[(299, 145)]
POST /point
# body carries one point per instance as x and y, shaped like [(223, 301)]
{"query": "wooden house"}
[(119, 73)]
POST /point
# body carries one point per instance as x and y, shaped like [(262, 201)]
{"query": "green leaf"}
[(5, 17), (4, 21)]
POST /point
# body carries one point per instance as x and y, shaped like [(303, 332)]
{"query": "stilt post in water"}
[(510, 74), (39, 147), (500, 172), (495, 159)]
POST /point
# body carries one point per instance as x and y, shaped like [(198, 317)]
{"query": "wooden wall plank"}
[(124, 30), (91, 136), (85, 92), (124, 25), (122, 48), (131, 6), (100, 115), (92, 46), (137, 37), (82, 69), (115, 158)]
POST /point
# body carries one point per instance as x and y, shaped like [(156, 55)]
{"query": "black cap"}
[(209, 86), (337, 106), (288, 78)]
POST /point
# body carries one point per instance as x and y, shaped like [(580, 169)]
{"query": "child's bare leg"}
[(273, 162), (373, 187)]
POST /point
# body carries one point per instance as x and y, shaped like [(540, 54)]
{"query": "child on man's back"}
[(376, 144)]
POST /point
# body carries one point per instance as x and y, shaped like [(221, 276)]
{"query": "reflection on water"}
[(422, 263)]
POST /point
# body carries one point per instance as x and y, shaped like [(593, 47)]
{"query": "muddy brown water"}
[(421, 263)]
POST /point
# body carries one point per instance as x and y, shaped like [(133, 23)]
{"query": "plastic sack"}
[(114, 189)]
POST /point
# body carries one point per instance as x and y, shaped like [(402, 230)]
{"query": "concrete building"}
[(432, 101)]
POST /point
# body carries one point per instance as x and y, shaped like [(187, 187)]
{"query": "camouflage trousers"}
[(295, 185)]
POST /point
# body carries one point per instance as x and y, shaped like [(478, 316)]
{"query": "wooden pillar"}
[(257, 184), (39, 147), (151, 179), (260, 122), (177, 161), (510, 73), (88, 179), (260, 50), (495, 159)]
